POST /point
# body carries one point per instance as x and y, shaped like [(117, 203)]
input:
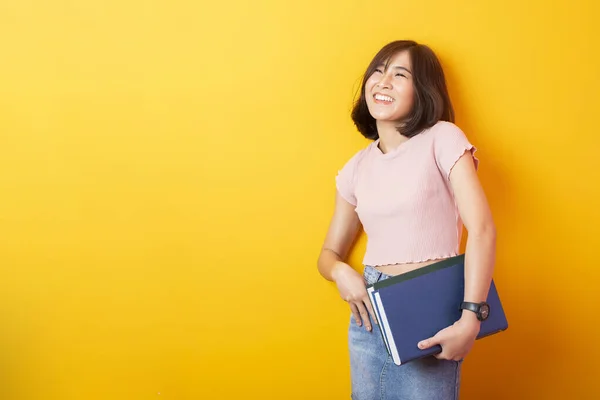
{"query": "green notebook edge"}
[(448, 262)]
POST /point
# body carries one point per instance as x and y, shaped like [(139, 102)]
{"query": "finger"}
[(369, 306), (427, 343), (364, 314), (355, 314), (445, 355)]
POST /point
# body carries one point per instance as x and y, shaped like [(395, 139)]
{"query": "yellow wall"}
[(167, 176)]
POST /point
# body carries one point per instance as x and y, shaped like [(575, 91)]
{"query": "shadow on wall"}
[(531, 359), (522, 362)]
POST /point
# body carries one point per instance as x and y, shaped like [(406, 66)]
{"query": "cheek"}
[(407, 96), (369, 84)]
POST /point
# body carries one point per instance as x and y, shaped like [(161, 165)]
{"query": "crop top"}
[(403, 198)]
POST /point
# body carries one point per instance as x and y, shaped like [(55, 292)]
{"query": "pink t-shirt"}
[(403, 198)]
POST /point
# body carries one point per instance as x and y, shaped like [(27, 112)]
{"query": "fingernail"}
[(421, 345), (369, 328)]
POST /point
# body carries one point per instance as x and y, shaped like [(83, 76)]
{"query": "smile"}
[(381, 98)]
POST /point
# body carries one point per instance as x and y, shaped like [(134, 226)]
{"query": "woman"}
[(412, 189)]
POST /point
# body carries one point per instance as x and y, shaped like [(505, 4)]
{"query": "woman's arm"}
[(342, 231), (480, 254), (476, 215)]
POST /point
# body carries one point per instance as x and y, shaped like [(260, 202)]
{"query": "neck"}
[(389, 137)]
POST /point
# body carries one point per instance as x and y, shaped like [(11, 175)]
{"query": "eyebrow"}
[(403, 68), (396, 67)]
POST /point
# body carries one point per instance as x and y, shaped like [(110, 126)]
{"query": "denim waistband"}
[(372, 275)]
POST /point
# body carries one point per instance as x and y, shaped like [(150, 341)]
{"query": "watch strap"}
[(467, 305)]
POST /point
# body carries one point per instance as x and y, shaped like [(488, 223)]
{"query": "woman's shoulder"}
[(357, 158), (445, 128), (364, 152), (444, 134)]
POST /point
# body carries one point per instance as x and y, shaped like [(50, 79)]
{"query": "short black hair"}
[(431, 99)]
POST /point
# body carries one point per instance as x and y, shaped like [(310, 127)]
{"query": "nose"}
[(385, 82)]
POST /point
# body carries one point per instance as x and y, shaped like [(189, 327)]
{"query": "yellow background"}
[(167, 176)]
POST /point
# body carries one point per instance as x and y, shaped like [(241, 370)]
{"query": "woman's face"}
[(389, 92)]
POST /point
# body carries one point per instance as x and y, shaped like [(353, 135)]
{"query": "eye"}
[(378, 70), (402, 75)]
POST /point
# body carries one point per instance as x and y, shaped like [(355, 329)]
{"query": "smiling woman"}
[(411, 188), (411, 75)]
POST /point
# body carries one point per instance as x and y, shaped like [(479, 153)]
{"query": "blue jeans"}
[(375, 376)]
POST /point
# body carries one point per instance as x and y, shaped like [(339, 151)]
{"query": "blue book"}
[(416, 305)]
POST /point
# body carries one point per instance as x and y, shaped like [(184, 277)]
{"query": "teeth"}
[(383, 98)]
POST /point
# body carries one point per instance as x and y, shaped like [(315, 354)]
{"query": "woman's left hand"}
[(456, 340)]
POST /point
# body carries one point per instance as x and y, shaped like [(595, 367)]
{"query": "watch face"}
[(484, 311)]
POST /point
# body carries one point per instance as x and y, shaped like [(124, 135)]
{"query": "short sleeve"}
[(450, 143), (346, 179)]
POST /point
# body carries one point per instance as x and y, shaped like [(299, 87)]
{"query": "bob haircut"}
[(431, 100)]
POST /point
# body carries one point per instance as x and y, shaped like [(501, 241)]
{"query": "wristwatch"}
[(482, 310)]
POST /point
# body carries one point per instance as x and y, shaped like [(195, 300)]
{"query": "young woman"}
[(412, 189)]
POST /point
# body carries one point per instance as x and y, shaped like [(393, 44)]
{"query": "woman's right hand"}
[(353, 290)]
